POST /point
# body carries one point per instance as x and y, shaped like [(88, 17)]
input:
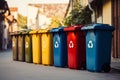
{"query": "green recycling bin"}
[(28, 46), (21, 46), (14, 36)]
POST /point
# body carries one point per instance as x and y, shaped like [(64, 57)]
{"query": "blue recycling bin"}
[(98, 47), (60, 47)]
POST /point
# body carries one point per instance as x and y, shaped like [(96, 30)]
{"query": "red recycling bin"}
[(76, 47)]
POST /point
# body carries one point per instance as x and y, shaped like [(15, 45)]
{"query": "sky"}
[(22, 4)]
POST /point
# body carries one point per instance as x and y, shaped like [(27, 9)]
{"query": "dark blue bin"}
[(60, 47), (98, 47)]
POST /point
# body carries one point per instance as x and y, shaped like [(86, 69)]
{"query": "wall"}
[(43, 13), (107, 12)]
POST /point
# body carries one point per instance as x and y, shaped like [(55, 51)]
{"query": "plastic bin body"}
[(36, 47), (76, 47), (21, 47), (28, 47), (47, 47), (60, 47), (15, 46), (98, 47)]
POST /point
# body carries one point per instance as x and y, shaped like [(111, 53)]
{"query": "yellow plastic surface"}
[(33, 32), (43, 31), (36, 48), (47, 49)]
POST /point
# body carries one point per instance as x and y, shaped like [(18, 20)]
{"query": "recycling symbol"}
[(26, 45), (90, 44), (71, 45), (56, 44)]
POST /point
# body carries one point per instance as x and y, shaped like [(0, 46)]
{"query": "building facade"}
[(108, 12)]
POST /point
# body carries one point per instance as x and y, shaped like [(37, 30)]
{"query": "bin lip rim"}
[(73, 28), (59, 29), (33, 32), (16, 33), (97, 26), (44, 31), (27, 31)]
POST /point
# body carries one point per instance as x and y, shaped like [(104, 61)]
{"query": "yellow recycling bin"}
[(36, 47), (47, 47)]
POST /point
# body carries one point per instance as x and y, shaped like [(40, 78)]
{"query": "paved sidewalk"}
[(15, 70)]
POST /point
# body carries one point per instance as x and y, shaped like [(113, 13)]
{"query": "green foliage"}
[(22, 21), (78, 15)]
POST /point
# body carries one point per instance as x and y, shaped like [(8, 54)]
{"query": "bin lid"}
[(44, 31), (98, 26), (26, 31), (73, 28), (14, 33), (60, 29), (18, 32), (33, 32)]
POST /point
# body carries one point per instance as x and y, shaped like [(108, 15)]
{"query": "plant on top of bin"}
[(78, 15)]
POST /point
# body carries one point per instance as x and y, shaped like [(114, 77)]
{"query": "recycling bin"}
[(60, 47), (76, 47), (47, 47), (36, 47), (28, 46), (14, 45), (98, 47), (21, 46)]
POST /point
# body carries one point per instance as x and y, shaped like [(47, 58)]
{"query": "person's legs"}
[(4, 46)]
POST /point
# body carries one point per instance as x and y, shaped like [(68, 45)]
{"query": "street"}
[(16, 70)]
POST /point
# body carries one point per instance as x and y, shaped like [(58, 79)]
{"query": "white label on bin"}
[(56, 44), (26, 45), (90, 44), (71, 45), (13, 44)]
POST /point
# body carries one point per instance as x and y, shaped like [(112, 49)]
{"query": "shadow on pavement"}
[(115, 71), (3, 51)]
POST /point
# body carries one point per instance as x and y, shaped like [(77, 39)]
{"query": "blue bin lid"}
[(98, 26), (60, 29)]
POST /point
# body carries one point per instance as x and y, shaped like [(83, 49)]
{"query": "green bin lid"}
[(26, 31)]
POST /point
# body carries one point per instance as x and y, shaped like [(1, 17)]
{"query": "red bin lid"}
[(73, 28)]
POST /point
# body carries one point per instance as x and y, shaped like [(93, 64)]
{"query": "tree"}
[(78, 15), (22, 21)]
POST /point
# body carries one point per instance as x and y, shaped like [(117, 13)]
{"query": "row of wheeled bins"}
[(76, 47)]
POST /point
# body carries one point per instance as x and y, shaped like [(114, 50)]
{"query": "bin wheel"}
[(106, 67), (83, 66)]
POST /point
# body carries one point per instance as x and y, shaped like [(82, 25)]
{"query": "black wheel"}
[(83, 66), (106, 67)]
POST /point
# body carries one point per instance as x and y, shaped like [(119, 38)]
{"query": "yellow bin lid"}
[(33, 32), (44, 31)]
